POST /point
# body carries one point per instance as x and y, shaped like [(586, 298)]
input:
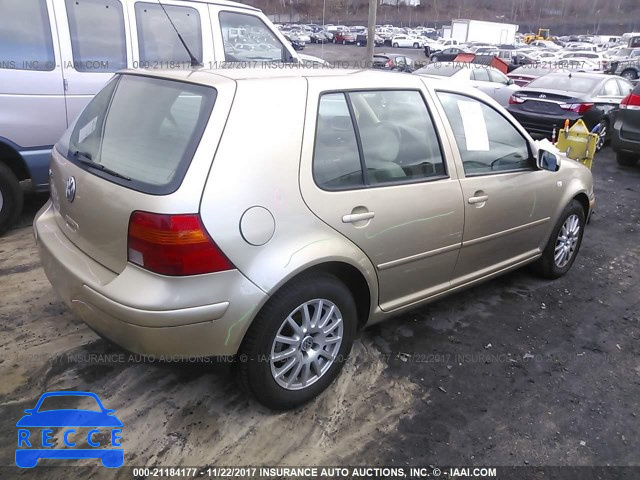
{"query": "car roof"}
[(211, 77), (227, 3)]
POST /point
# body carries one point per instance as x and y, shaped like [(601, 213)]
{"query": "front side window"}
[(25, 36), (487, 141), (97, 35), (247, 38), (144, 130), (157, 39)]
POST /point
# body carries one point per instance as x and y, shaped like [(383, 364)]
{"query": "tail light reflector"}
[(630, 102), (176, 245), (578, 108), (515, 100)]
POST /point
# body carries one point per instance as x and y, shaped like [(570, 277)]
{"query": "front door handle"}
[(478, 199), (358, 217)]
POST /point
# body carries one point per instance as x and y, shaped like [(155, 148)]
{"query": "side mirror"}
[(509, 82), (548, 161)]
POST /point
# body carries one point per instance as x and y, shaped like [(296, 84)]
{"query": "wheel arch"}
[(583, 199), (12, 159)]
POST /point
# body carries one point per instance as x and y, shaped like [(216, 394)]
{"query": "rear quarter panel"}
[(257, 164)]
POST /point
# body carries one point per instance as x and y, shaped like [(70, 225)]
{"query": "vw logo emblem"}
[(542, 95), (70, 190)]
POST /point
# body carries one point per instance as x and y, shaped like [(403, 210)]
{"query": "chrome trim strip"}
[(418, 256), (509, 231)]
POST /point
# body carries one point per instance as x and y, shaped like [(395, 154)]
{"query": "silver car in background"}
[(486, 79), (186, 220)]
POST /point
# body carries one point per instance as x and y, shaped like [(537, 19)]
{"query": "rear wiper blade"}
[(86, 159)]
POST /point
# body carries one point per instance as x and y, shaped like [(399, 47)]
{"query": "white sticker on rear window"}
[(475, 128), (87, 130)]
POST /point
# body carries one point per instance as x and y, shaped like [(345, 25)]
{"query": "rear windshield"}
[(567, 83), (140, 132)]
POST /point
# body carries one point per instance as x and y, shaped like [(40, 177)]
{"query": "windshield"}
[(140, 132), (568, 83)]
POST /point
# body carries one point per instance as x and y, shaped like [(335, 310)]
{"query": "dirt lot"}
[(513, 372)]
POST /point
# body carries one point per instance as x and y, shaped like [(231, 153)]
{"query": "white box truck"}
[(478, 31)]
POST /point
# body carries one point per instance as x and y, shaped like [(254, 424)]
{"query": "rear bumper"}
[(621, 144), (540, 125), (144, 312)]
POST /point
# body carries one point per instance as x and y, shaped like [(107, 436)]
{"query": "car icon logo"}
[(542, 95), (70, 190), (85, 433)]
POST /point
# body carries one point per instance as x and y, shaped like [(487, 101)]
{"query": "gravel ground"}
[(516, 371)]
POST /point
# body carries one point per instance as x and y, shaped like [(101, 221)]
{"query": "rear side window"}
[(336, 161), (158, 41), (97, 35), (247, 38), (25, 36), (487, 141), (145, 129), (375, 138)]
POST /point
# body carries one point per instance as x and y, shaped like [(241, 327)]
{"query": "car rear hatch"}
[(142, 144)]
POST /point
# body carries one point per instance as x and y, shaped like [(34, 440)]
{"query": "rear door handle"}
[(358, 217), (478, 199)]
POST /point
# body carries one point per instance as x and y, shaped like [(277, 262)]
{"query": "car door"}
[(503, 88), (32, 111), (508, 201), (377, 172), (94, 45)]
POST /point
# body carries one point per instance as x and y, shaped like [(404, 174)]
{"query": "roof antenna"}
[(194, 61)]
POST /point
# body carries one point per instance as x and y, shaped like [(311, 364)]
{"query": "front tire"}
[(630, 74), (299, 342), (626, 160), (564, 243), (434, 59), (416, 45), (395, 45), (11, 198)]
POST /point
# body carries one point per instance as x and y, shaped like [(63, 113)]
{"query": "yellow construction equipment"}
[(543, 34), (578, 143)]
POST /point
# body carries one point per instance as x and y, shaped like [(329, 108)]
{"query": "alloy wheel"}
[(602, 135), (307, 344), (567, 241)]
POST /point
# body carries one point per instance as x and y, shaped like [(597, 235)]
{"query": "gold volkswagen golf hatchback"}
[(271, 214)]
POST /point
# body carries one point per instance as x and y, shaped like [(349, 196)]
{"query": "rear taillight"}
[(578, 108), (176, 245), (630, 102), (515, 100)]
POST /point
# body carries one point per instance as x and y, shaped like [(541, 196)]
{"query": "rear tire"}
[(416, 45), (603, 134), (564, 243), (434, 59), (630, 74), (11, 198), (395, 45), (257, 368), (626, 159)]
